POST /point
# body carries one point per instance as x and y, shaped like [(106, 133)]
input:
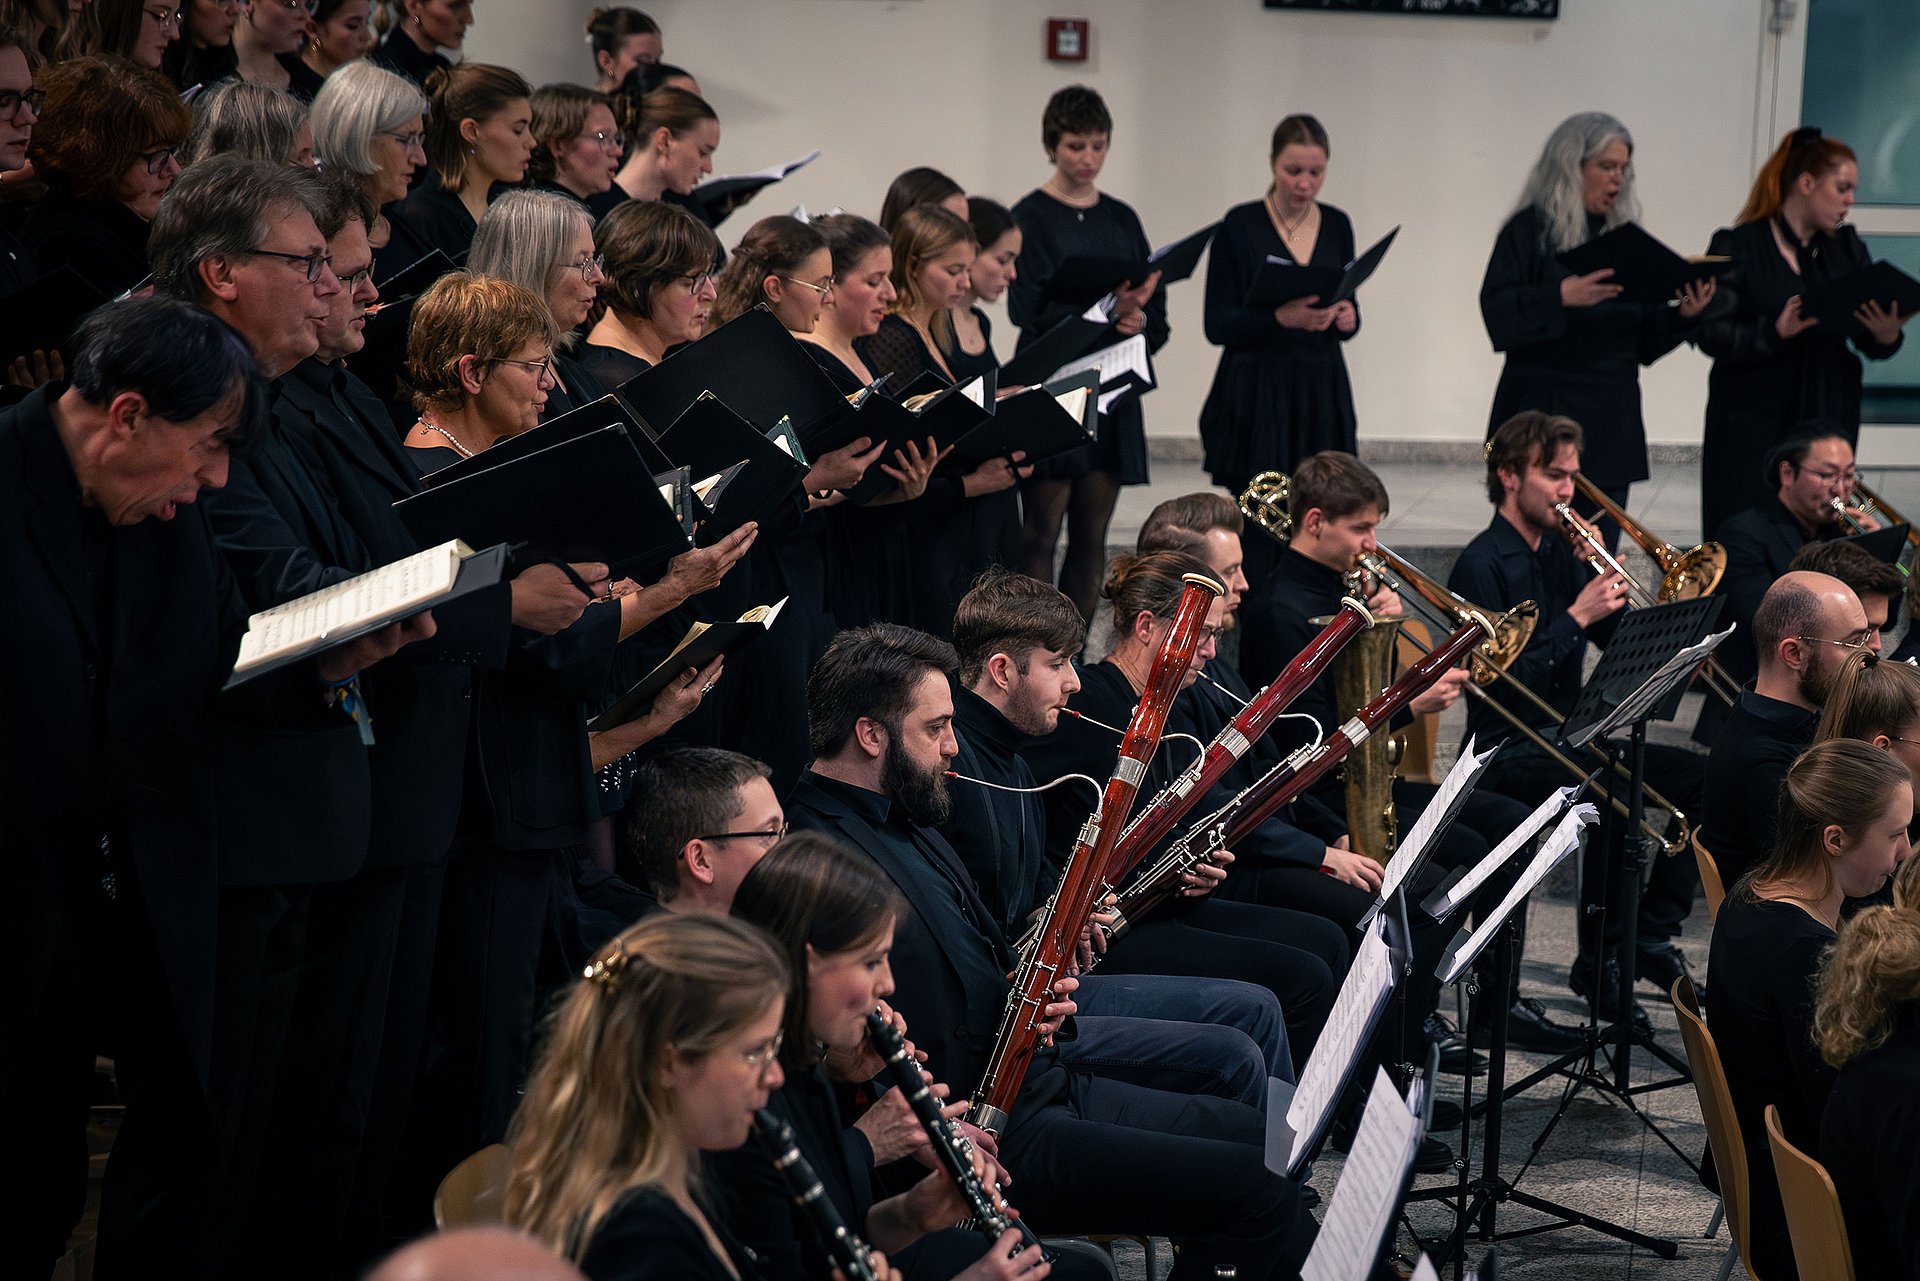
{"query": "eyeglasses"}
[(590, 267), (353, 280), (613, 141), (822, 289), (157, 159), (698, 280), (314, 264), (1827, 475), (11, 101), (539, 367), (1852, 640), (411, 141), (165, 17), (760, 1059), (772, 836)]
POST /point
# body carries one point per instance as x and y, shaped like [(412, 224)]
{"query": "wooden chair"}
[(1723, 1127), (1814, 1220), (475, 1191), (1711, 885)]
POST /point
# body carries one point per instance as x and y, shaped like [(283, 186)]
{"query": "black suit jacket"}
[(1761, 543)]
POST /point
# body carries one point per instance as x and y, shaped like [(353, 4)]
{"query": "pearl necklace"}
[(452, 439)]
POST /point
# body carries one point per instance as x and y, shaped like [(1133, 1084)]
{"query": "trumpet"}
[(1683, 574), (1428, 596), (1881, 510), (1590, 547)]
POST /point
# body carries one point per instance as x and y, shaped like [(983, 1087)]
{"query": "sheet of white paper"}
[(773, 173), (1075, 402), (1463, 775), (1368, 1192), (1516, 840), (976, 391), (1128, 356), (1101, 312), (1368, 984), (1109, 398), (412, 580), (1559, 843), (1655, 686)]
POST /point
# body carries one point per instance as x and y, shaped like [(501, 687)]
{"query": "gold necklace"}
[(452, 439), (1287, 232)]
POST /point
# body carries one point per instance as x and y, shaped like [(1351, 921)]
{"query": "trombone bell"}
[(1693, 573), (1266, 502)]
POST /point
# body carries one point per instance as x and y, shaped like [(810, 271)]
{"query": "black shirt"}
[(1761, 543), (398, 53), (646, 1237), (102, 240), (431, 217), (1870, 1144), (999, 836), (1741, 800)]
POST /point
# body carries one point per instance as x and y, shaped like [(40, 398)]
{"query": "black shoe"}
[(1607, 1005), (1530, 1027), (1661, 967), (1433, 1156), (1457, 1058), (1446, 1116)]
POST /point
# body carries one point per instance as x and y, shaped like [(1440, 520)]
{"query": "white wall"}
[(1434, 123)]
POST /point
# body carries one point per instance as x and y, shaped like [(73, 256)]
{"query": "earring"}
[(473, 151)]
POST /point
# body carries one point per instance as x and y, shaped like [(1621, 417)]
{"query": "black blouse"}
[(646, 1237), (398, 53), (102, 240), (431, 217), (1870, 1144)]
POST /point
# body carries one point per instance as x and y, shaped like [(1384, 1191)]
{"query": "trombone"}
[(1590, 547), (1683, 574), (1881, 510), (1872, 507)]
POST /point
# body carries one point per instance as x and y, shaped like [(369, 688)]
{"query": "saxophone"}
[(1365, 668)]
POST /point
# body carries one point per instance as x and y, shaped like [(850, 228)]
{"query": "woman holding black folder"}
[(543, 242), (1775, 366), (1280, 391), (1574, 347), (658, 281), (1069, 217)]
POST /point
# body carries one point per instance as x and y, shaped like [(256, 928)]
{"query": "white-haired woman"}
[(371, 124), (543, 242), (1573, 346)]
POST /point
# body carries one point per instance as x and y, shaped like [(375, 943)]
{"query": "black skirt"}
[(1268, 410)]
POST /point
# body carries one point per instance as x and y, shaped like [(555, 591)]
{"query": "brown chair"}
[(475, 1191), (1711, 885), (1723, 1127), (1814, 1220)]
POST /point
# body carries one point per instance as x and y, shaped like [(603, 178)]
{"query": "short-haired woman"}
[(479, 135), (236, 118), (370, 124), (1844, 810), (659, 264), (1774, 366), (479, 360), (577, 145), (543, 242), (107, 146)]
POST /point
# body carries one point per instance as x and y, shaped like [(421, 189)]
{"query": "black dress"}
[(574, 385), (646, 1237), (1581, 362), (1870, 1144), (609, 365), (1054, 232), (102, 240), (1278, 394), (1765, 388), (991, 523), (1764, 959), (869, 563), (432, 217)]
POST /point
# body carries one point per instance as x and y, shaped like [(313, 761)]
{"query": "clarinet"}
[(1233, 821), (1067, 912), (950, 1148), (849, 1253)]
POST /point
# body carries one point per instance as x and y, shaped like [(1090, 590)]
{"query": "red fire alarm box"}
[(1067, 39)]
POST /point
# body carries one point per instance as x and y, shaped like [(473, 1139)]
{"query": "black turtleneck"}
[(999, 836)]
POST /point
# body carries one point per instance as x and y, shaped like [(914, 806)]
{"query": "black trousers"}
[(187, 1160), (1120, 1158)]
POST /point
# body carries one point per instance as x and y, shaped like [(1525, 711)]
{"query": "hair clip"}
[(1486, 452), (1806, 134), (606, 970), (1868, 658)]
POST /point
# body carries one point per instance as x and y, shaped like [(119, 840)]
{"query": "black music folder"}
[(593, 416), (1886, 544), (711, 439), (1085, 279), (753, 364), (42, 316), (382, 360), (591, 498), (1834, 303), (1646, 270), (944, 416), (1067, 341), (703, 643), (1281, 281), (1042, 422), (721, 186)]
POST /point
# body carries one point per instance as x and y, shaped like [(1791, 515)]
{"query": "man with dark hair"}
[(700, 818), (1878, 585), (1808, 472), (1532, 460), (1090, 1153), (1206, 526), (1805, 628)]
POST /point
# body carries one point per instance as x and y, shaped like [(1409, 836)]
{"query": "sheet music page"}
[(1423, 1270), (1558, 845), (1368, 1192), (1497, 858), (1463, 775), (391, 589), (1365, 991), (1108, 398), (1655, 685), (976, 391), (1128, 356), (1075, 402)]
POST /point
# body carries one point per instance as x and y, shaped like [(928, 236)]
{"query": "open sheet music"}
[(362, 604), (1362, 996), (1125, 359), (1654, 688), (1440, 811), (1557, 846), (729, 184), (1369, 1190), (1447, 901)]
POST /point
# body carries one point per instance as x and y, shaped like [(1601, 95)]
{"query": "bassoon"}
[(1239, 817), (1081, 885)]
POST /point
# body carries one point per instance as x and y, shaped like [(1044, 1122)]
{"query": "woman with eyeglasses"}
[(417, 30), (369, 124), (479, 136), (141, 31), (1842, 831), (577, 146), (338, 32), (267, 44), (476, 379), (107, 146), (543, 242), (833, 914), (20, 105), (658, 261)]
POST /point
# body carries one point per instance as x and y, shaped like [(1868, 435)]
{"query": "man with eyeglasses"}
[(19, 111), (1805, 628), (700, 818), (1808, 472)]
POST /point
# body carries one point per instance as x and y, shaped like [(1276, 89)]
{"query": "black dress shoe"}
[(1432, 1157), (1607, 1004), (1661, 967), (1446, 1116), (1530, 1027), (1457, 1058)]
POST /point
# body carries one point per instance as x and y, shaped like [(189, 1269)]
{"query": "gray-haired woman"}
[(543, 242), (371, 124), (1573, 346)]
